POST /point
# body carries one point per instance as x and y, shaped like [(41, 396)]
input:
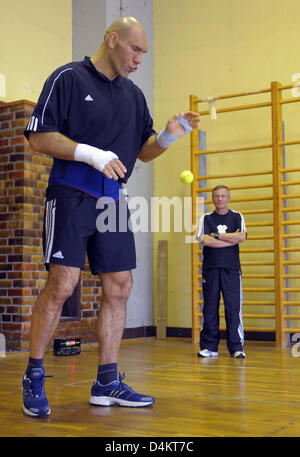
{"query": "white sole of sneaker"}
[(33, 414), (110, 401), (212, 355)]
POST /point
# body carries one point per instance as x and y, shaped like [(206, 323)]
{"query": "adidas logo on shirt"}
[(88, 98), (58, 255)]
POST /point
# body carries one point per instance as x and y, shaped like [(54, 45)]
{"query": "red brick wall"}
[(23, 180)]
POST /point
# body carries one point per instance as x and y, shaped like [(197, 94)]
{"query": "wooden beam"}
[(162, 290)]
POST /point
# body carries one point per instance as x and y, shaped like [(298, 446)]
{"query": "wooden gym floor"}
[(224, 397)]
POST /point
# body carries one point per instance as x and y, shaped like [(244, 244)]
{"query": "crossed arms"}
[(225, 239)]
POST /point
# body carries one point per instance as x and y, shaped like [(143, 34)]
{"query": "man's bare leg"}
[(45, 316), (116, 288), (46, 313), (108, 390)]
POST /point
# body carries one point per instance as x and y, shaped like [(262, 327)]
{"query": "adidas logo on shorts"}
[(58, 255)]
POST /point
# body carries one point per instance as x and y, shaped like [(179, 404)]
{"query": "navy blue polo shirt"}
[(87, 107)]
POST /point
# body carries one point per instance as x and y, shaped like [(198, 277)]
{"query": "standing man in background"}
[(220, 233), (95, 123)]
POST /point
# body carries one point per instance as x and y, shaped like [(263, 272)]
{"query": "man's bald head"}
[(123, 26), (121, 52)]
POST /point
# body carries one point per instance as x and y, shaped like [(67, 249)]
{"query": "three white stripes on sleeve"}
[(32, 124)]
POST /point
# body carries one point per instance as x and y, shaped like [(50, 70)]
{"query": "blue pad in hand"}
[(182, 120)]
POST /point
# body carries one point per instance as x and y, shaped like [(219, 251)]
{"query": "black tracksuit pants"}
[(215, 281)]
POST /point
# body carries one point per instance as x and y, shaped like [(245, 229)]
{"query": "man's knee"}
[(62, 282), (116, 287), (125, 290), (121, 291)]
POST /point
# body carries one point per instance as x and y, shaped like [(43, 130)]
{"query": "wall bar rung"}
[(252, 186), (257, 211), (291, 235), (235, 200), (289, 170), (252, 303), (260, 237), (290, 100), (291, 276), (238, 94), (290, 183), (289, 143), (240, 149), (235, 175), (289, 210), (237, 108)]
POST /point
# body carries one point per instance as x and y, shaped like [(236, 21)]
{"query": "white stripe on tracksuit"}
[(241, 328)]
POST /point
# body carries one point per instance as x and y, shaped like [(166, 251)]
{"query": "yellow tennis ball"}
[(186, 176)]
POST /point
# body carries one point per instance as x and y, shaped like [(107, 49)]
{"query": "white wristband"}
[(165, 138), (95, 157)]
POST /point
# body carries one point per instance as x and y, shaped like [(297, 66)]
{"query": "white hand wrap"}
[(95, 157), (165, 138)]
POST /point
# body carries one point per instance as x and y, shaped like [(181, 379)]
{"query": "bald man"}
[(94, 122)]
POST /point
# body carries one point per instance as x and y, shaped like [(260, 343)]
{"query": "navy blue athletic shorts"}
[(76, 224)]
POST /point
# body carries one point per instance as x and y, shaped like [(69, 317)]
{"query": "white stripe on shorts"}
[(49, 228)]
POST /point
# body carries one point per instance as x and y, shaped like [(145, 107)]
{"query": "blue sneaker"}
[(35, 403), (117, 393)]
